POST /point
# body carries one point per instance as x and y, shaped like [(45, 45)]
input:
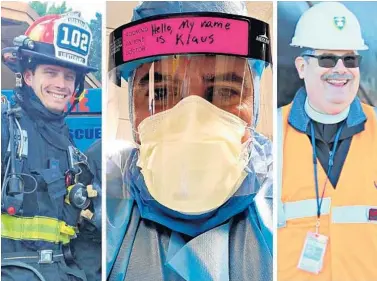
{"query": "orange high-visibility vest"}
[(348, 212)]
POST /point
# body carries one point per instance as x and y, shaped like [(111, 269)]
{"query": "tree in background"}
[(42, 8), (95, 57)]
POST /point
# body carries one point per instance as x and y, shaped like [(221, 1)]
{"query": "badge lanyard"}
[(331, 163)]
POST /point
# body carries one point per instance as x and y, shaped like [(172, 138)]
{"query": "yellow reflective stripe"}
[(66, 229), (66, 199), (36, 228)]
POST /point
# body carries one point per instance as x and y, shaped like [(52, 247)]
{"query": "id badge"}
[(313, 253)]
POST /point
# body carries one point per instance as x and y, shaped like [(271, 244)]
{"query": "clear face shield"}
[(223, 81), (192, 113)]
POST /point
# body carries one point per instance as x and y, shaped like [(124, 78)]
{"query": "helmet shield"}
[(166, 59), (225, 81)]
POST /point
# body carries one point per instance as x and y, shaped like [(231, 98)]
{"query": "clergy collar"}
[(299, 119), (324, 118)]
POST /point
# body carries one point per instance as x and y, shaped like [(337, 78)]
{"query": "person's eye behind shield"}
[(225, 81)]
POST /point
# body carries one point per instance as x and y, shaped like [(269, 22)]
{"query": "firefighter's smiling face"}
[(54, 85)]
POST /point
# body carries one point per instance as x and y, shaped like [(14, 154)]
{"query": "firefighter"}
[(47, 182)]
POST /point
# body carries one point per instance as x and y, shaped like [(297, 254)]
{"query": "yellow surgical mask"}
[(191, 156)]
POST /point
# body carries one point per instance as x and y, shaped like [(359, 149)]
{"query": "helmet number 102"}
[(75, 39)]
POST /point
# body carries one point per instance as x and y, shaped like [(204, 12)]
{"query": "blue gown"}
[(142, 244)]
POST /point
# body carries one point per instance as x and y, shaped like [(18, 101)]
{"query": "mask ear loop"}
[(251, 128), (247, 147)]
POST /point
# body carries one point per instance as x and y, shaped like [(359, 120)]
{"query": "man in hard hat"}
[(193, 199), (46, 180), (327, 139)]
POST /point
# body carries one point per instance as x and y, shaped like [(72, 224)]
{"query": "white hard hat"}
[(328, 26)]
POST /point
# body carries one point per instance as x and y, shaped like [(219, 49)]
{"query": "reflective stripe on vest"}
[(305, 208), (36, 228), (308, 208), (352, 214), (345, 214)]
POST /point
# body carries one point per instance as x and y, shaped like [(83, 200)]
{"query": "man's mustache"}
[(337, 76)]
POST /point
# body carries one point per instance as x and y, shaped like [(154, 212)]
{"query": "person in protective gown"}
[(46, 181), (191, 199)]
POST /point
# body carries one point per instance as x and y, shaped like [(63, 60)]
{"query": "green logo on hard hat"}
[(340, 22)]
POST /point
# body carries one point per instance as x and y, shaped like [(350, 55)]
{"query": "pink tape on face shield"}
[(185, 35), (190, 33)]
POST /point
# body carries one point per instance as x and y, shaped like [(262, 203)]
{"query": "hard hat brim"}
[(333, 48)]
